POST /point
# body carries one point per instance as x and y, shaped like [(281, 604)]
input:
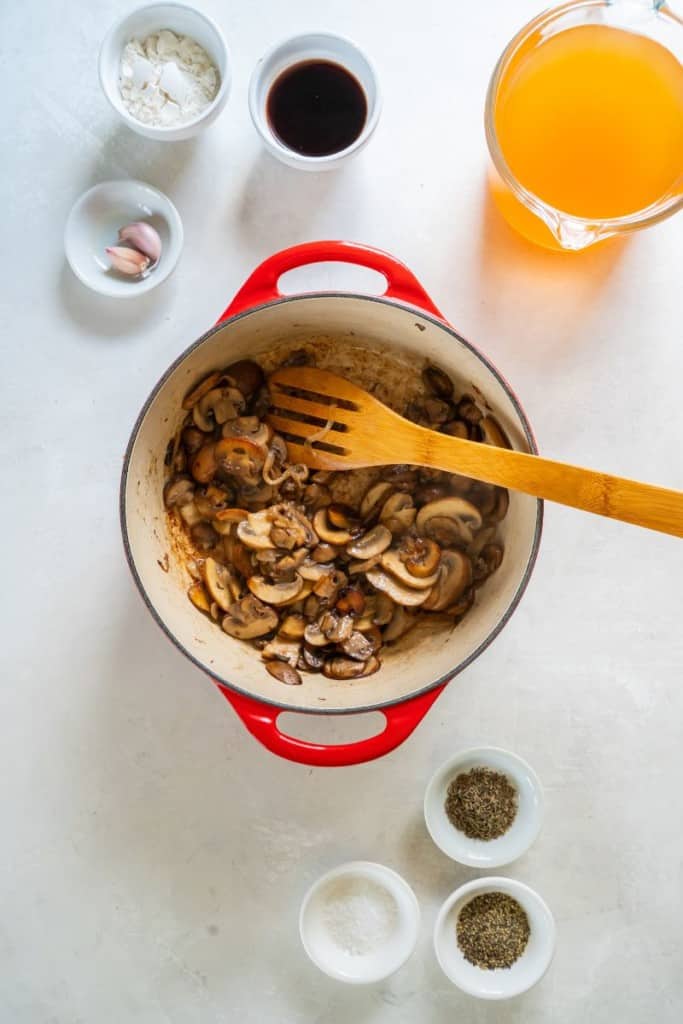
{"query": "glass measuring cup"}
[(571, 163)]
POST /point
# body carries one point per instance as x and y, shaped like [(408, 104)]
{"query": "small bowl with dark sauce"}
[(314, 100)]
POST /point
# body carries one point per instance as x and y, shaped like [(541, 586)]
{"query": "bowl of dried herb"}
[(484, 807), (494, 938)]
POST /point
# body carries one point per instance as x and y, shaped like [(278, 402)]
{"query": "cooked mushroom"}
[(369, 544), (493, 433), (398, 513), (240, 458), (275, 593), (347, 668), (254, 531), (464, 514), (374, 499), (179, 492), (217, 406), (203, 464), (401, 622), (438, 411), (249, 618), (383, 610), (282, 650), (189, 514), (199, 597), (315, 571), (487, 563), (300, 597), (324, 553), (360, 646), (456, 428), (469, 410), (455, 575), (357, 568), (284, 673), (201, 389), (436, 381), (193, 439), (203, 534), (293, 627), (222, 583), (328, 532), (336, 627), (251, 427), (246, 375), (317, 496), (351, 601), (421, 555), (290, 528), (237, 555), (328, 586), (393, 563), (313, 657), (462, 605), (314, 636), (501, 506), (399, 593)]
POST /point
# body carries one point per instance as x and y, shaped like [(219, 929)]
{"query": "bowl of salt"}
[(359, 923)]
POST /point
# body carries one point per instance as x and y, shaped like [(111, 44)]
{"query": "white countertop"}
[(153, 855)]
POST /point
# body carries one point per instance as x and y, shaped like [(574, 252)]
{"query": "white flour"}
[(359, 915), (166, 80)]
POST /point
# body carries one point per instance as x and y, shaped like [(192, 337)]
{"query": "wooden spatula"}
[(331, 424)]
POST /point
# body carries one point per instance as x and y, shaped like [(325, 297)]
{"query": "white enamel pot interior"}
[(415, 668)]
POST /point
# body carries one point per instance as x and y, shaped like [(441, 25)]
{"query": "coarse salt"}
[(359, 915), (166, 80)]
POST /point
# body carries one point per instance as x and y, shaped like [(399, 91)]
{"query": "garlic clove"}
[(128, 261), (144, 238)]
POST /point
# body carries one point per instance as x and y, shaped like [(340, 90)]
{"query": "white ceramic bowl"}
[(492, 853), (314, 46), (182, 20), (502, 983), (332, 958), (94, 223)]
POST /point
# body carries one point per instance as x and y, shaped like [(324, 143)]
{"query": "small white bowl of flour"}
[(165, 69), (359, 923)]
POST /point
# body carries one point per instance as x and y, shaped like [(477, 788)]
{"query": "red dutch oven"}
[(403, 320)]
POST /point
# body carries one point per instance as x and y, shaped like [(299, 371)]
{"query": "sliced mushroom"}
[(203, 464), (455, 576), (282, 650), (336, 628), (284, 673), (217, 406), (246, 375), (372, 543), (178, 492), (240, 459), (484, 537), (275, 593), (493, 433), (487, 563), (314, 658), (392, 562), (199, 597), (374, 499), (201, 389), (501, 506), (203, 534), (398, 513), (462, 605), (190, 514), (437, 411), (399, 593), (290, 528), (421, 556), (384, 609), (315, 571), (456, 428), (324, 553), (317, 496), (360, 568), (329, 533), (287, 564), (436, 381), (293, 627), (300, 597), (222, 583), (346, 668), (351, 601), (251, 427), (238, 555), (254, 531), (314, 636), (193, 439), (401, 622), (257, 497), (469, 410), (327, 587), (249, 618), (360, 646), (466, 516), (225, 519)]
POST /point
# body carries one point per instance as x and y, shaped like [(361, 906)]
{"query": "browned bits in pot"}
[(284, 558)]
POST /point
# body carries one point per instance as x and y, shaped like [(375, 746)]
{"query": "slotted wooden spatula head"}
[(329, 423)]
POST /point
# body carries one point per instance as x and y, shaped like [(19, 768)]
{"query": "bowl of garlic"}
[(123, 238), (165, 69)]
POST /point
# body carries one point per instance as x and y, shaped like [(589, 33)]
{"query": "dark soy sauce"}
[(316, 108)]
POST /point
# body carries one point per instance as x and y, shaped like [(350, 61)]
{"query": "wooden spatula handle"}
[(657, 508)]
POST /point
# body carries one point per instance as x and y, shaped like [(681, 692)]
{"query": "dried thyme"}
[(481, 803), (492, 930)]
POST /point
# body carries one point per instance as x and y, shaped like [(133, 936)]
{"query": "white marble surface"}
[(153, 856)]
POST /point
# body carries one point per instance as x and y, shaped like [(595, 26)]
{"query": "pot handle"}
[(261, 721), (262, 285)]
